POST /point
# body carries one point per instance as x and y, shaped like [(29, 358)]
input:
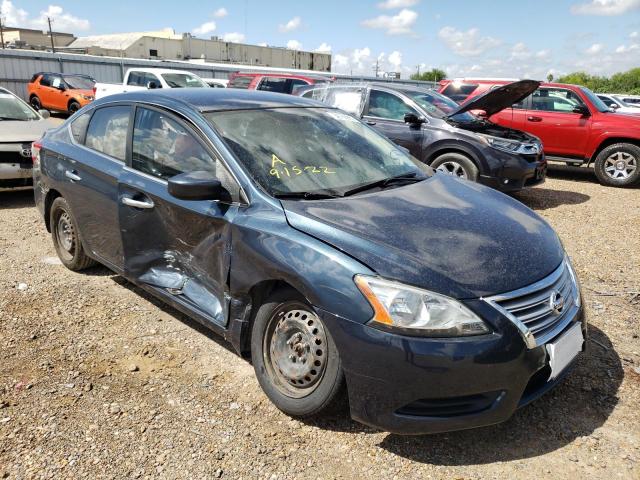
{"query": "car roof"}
[(506, 82), (283, 75), (160, 70), (215, 99)]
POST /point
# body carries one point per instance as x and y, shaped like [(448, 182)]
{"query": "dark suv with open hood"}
[(440, 133)]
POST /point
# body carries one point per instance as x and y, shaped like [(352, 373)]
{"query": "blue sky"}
[(489, 38)]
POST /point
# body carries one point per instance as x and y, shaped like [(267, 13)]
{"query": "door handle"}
[(131, 202), (369, 122), (72, 175), (534, 119)]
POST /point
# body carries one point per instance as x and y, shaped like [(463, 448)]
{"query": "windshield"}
[(299, 150), (599, 104), (183, 80), (79, 83), (437, 105), (12, 108)]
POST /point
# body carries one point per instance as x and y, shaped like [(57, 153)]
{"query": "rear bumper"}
[(410, 385)]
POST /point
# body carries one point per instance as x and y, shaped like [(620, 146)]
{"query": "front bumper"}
[(411, 385), (517, 173)]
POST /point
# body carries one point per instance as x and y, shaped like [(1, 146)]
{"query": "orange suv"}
[(60, 92)]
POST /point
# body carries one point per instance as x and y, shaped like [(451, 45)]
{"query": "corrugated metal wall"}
[(18, 66)]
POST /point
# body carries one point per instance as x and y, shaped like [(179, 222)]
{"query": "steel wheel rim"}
[(35, 103), (66, 234), (295, 351), (452, 168), (620, 165)]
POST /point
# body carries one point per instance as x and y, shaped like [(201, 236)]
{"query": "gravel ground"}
[(98, 380)]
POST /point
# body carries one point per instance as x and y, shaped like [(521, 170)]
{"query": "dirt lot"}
[(98, 380)]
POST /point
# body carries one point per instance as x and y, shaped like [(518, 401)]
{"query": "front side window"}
[(79, 126), (136, 79), (164, 148), (389, 106), (56, 82), (555, 100), (150, 77), (299, 150), (107, 131), (45, 81), (273, 84), (183, 80)]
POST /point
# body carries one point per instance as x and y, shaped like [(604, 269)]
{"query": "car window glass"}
[(387, 105), (521, 104), (162, 147), (555, 100), (45, 81), (56, 82), (295, 84), (459, 92), (348, 99), (107, 132), (135, 78), (150, 77), (79, 126), (239, 82), (183, 80), (273, 84)]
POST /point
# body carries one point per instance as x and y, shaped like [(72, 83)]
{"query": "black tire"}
[(72, 255), (35, 103), (327, 389), (456, 164), (73, 107), (618, 165)]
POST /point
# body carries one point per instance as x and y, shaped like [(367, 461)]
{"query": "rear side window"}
[(79, 127), (275, 84), (240, 82), (35, 77), (45, 81), (107, 132), (459, 92), (136, 78), (389, 106)]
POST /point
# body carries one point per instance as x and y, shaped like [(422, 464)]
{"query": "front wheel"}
[(34, 101), (73, 107), (457, 165), (66, 239), (294, 356), (618, 165)]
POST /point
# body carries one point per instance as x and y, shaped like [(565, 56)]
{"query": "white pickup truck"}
[(148, 78)]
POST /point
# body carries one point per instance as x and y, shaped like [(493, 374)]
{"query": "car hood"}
[(498, 99), (447, 235), (12, 131)]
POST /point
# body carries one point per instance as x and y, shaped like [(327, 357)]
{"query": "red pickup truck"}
[(575, 127)]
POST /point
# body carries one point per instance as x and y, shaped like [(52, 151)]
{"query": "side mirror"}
[(582, 110), (44, 113), (152, 85), (413, 119), (614, 106), (196, 186)]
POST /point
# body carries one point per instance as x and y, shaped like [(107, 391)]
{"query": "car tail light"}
[(95, 89), (35, 154)]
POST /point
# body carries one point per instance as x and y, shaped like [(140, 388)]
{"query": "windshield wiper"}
[(14, 119), (385, 182), (305, 195)]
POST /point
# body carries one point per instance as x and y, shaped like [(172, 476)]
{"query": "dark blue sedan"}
[(332, 257)]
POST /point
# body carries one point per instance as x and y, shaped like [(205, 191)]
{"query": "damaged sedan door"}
[(178, 246)]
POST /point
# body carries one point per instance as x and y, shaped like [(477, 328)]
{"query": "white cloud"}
[(395, 59), (543, 54), (220, 13), (400, 24), (294, 45), (61, 20), (205, 29), (626, 49), (594, 49), (323, 48), (634, 35), (393, 4), (291, 25), (263, 44), (467, 44), (362, 61), (520, 51), (233, 37), (605, 7)]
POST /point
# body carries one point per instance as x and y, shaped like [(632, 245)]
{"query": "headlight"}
[(87, 97), (511, 146), (413, 311), (576, 282)]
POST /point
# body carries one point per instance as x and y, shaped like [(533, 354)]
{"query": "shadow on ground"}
[(540, 198), (17, 198), (575, 408)]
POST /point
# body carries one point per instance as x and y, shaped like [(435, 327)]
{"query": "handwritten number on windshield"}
[(280, 169)]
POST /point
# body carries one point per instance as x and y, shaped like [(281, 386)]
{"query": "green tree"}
[(622, 82), (550, 78), (433, 75)]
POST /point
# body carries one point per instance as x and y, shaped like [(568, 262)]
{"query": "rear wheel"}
[(294, 356), (73, 107), (618, 165), (34, 101), (457, 165), (66, 240)]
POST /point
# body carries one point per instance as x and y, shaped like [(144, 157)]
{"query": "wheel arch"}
[(48, 201), (611, 141), (73, 100), (432, 155)]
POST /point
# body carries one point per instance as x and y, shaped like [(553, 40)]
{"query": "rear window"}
[(275, 84), (239, 82), (459, 92)]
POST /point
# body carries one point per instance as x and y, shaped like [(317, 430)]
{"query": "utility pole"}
[(377, 68), (418, 67), (53, 47), (1, 31)]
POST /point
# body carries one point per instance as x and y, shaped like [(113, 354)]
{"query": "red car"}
[(274, 82), (575, 127)]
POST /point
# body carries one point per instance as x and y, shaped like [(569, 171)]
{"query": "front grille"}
[(543, 310)]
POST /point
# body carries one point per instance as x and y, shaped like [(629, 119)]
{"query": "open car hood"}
[(498, 99)]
